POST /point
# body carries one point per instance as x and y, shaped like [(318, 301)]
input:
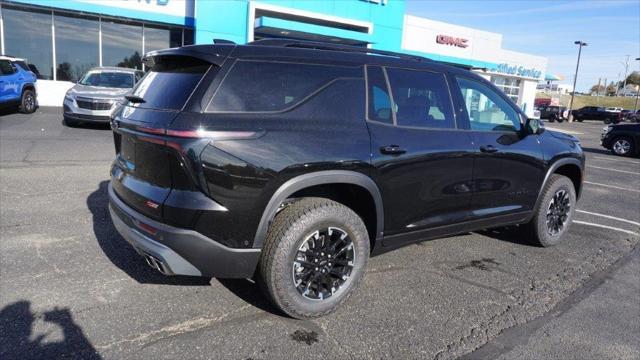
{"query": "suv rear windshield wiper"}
[(134, 99)]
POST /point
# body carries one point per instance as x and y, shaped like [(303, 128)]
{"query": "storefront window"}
[(188, 37), (121, 44), (510, 86), (156, 38), (27, 34), (76, 46)]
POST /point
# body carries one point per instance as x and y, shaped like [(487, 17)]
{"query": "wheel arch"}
[(28, 86), (318, 184), (569, 167)]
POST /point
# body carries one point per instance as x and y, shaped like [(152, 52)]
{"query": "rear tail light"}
[(200, 133), (147, 228)]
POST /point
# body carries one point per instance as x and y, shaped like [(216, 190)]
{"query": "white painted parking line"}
[(615, 159), (609, 217), (605, 227), (610, 169), (612, 186), (564, 131)]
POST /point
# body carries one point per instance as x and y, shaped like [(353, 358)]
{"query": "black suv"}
[(621, 139), (295, 161), (553, 113)]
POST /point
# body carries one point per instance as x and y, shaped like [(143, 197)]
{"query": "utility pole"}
[(605, 88), (618, 84), (635, 107), (581, 44)]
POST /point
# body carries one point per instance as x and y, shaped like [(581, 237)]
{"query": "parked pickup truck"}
[(595, 113)]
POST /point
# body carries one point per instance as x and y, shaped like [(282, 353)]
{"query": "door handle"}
[(392, 150), (488, 148)]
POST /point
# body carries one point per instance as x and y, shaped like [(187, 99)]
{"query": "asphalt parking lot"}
[(70, 286)]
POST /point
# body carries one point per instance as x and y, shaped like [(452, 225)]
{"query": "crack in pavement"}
[(172, 330)]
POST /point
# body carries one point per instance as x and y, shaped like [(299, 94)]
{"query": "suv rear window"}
[(170, 82), (260, 86)]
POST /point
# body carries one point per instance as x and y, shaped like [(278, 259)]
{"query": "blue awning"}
[(274, 27)]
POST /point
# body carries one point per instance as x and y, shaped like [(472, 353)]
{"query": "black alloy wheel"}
[(558, 212), (323, 263)]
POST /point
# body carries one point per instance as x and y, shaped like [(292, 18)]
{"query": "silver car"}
[(96, 95)]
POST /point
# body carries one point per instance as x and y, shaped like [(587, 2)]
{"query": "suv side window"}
[(421, 99), (378, 96), (6, 68), (487, 110), (264, 86)]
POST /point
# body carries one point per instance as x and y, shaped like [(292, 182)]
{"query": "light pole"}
[(635, 107), (575, 78)]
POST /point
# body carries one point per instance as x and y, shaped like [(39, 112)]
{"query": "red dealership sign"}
[(453, 41)]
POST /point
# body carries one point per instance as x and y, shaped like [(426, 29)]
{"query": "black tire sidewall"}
[(557, 183), (282, 288), (23, 99)]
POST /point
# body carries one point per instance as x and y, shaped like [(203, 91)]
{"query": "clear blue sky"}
[(549, 28)]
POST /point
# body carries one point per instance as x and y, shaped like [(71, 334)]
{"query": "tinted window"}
[(76, 46), (487, 110), (379, 99), (27, 35), (170, 82), (421, 98), (108, 79), (273, 86), (5, 67), (23, 65)]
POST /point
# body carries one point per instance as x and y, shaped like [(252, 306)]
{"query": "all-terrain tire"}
[(537, 230), (291, 227)]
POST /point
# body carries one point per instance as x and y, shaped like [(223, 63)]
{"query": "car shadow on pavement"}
[(120, 252), (250, 292), (87, 125), (596, 151), (510, 234), (17, 340)]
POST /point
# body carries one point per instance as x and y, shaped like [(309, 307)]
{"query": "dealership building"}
[(62, 39)]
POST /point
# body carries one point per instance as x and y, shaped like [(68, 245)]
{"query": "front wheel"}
[(314, 257), (28, 102), (622, 146), (554, 212)]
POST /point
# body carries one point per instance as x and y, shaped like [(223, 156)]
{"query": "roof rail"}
[(304, 44)]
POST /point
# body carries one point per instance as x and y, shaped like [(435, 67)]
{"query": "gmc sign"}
[(453, 41)]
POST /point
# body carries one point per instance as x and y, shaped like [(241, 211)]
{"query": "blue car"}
[(17, 85)]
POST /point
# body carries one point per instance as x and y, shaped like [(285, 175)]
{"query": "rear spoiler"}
[(215, 54)]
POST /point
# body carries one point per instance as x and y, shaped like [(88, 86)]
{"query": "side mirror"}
[(534, 126)]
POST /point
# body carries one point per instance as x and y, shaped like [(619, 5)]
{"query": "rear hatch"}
[(148, 163)]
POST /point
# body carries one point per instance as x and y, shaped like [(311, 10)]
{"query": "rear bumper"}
[(176, 251)]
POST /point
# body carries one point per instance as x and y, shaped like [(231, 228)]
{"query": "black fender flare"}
[(318, 178), (554, 166)]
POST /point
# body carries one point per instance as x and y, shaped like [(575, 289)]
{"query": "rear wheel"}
[(552, 118), (607, 121), (314, 257), (28, 102), (554, 212), (560, 120), (622, 146)]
